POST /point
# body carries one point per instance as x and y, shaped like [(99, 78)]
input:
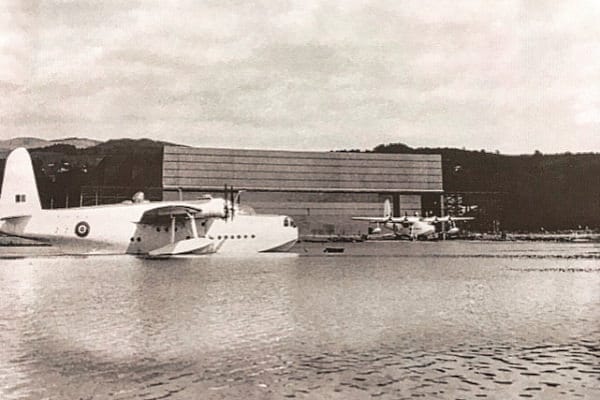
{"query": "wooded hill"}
[(63, 170), (553, 192)]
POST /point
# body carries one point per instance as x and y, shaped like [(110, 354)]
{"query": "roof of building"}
[(211, 168)]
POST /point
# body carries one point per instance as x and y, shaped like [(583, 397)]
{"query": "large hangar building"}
[(320, 190)]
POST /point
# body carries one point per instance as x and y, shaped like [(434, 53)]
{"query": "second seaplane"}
[(412, 227)]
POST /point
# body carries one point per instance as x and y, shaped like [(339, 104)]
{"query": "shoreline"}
[(483, 237), (13, 241)]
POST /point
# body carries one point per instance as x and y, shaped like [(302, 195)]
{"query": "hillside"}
[(33, 142), (64, 171), (553, 192)]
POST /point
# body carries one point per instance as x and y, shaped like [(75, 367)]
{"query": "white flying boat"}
[(411, 227), (155, 229)]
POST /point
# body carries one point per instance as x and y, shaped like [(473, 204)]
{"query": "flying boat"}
[(154, 229), (412, 227)]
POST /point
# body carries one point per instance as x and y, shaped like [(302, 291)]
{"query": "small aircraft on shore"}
[(154, 229), (412, 227)]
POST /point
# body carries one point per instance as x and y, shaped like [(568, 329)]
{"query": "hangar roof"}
[(270, 170)]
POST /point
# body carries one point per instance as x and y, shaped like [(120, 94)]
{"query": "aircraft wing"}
[(166, 214), (382, 220), (161, 214), (371, 219), (14, 225), (447, 219), (15, 218), (405, 220)]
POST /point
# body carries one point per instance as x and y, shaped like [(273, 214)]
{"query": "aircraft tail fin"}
[(387, 209), (19, 196)]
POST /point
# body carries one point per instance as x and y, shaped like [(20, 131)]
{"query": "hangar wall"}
[(321, 190)]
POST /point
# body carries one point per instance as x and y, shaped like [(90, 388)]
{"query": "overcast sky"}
[(513, 76)]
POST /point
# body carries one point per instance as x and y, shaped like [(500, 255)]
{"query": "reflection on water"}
[(380, 320)]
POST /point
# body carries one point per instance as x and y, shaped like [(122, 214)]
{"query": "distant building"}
[(321, 190)]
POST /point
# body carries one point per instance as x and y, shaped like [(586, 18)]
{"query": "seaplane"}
[(138, 227), (412, 227)]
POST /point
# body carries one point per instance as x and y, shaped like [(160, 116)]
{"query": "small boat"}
[(333, 250)]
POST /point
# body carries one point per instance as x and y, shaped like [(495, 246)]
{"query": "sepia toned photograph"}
[(316, 199)]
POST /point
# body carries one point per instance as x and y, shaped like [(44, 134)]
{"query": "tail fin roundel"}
[(19, 196)]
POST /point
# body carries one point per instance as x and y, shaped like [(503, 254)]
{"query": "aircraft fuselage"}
[(117, 229), (413, 231)]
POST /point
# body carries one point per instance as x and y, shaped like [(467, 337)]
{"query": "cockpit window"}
[(287, 221)]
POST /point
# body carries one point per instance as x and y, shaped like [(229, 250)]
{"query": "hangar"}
[(320, 190)]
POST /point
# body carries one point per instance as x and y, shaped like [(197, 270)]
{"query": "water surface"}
[(381, 320)]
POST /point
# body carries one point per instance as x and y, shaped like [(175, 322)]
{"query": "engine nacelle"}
[(453, 231)]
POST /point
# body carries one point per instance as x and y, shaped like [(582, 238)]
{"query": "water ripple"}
[(304, 327)]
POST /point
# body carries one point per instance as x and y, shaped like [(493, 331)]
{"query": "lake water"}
[(381, 320)]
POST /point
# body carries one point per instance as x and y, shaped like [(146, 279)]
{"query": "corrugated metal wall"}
[(320, 190), (258, 169)]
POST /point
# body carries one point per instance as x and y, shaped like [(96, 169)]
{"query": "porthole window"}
[(225, 237), (139, 239), (158, 229), (252, 236), (239, 236), (132, 240), (219, 237), (82, 229), (245, 236)]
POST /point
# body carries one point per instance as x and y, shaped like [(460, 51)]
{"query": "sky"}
[(513, 76)]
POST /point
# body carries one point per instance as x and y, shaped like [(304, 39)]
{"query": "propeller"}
[(228, 203), (225, 206), (232, 198), (404, 222), (377, 229)]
